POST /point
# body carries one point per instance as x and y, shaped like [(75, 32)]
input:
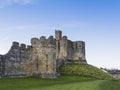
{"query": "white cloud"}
[(4, 3)]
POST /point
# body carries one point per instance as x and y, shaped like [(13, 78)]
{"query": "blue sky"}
[(94, 21)]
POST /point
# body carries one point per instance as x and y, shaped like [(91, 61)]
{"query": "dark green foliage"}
[(84, 69)]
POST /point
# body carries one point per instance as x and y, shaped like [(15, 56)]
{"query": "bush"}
[(84, 69)]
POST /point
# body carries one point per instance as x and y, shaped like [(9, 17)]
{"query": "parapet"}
[(34, 41), (50, 40), (42, 38), (50, 37), (64, 37), (80, 44), (23, 46), (15, 45)]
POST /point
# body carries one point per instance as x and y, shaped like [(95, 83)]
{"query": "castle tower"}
[(58, 36), (63, 48)]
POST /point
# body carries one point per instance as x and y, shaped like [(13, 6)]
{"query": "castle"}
[(42, 58)]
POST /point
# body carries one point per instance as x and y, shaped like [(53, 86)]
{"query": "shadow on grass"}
[(110, 85)]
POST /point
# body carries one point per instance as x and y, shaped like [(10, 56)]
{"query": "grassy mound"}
[(84, 69)]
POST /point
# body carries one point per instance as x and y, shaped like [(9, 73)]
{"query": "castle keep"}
[(42, 58)]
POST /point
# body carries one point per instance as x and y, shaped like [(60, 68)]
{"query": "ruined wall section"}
[(69, 50), (58, 36), (16, 60), (79, 51), (42, 58), (74, 51), (63, 54), (44, 54)]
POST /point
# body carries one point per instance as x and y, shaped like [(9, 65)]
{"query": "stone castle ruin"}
[(42, 58)]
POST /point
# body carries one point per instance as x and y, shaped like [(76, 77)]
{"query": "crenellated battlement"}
[(64, 37), (23, 46), (43, 41), (43, 57), (15, 45), (18, 46)]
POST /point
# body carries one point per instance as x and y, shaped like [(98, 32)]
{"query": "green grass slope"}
[(65, 82), (60, 83), (110, 85), (74, 77), (84, 69)]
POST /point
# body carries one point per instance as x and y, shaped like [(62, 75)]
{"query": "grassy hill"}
[(74, 77), (84, 69)]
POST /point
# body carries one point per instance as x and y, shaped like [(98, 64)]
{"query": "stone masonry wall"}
[(69, 50), (42, 58), (16, 61), (44, 52)]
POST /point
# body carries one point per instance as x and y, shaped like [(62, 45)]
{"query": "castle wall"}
[(42, 58), (63, 48), (16, 61), (58, 36), (44, 52), (69, 50), (79, 51)]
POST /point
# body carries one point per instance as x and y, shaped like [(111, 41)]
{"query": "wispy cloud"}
[(5, 3), (75, 24), (23, 33)]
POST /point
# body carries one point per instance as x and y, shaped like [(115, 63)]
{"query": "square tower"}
[(58, 34)]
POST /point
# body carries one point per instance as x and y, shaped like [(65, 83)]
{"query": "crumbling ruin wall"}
[(68, 50), (16, 61), (44, 53), (43, 58), (79, 51)]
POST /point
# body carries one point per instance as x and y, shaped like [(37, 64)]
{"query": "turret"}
[(58, 34), (43, 41), (34, 41), (15, 45)]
